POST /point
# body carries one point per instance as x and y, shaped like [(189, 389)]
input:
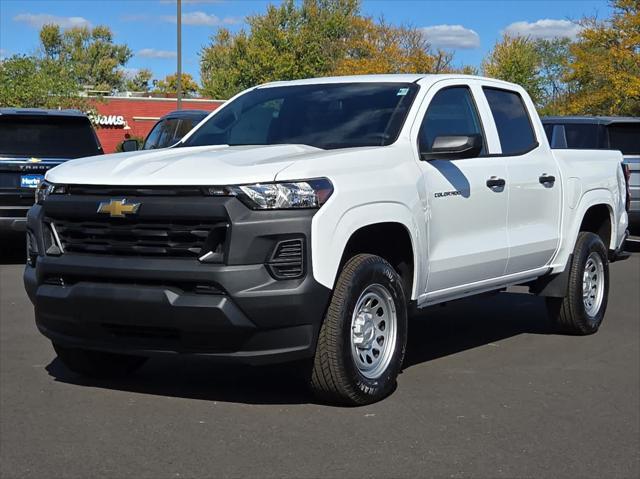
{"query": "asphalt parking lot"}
[(488, 391)]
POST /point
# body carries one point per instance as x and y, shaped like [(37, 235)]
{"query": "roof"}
[(380, 78), (41, 111), (594, 120), (193, 114)]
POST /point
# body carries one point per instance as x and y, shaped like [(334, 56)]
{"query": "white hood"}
[(200, 165)]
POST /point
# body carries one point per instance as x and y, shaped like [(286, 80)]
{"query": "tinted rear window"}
[(512, 121), (47, 137), (625, 137), (581, 136)]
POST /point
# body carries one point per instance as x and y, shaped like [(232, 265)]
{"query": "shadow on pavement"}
[(436, 332)]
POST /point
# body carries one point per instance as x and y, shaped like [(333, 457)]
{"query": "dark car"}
[(169, 130), (602, 133), (32, 142)]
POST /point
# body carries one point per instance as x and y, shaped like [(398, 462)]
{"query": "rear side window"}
[(581, 136), (452, 111), (625, 137), (512, 121)]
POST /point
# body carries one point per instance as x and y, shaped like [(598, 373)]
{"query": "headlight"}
[(285, 195), (45, 189)]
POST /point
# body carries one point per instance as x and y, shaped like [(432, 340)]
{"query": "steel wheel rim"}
[(593, 284), (374, 326)]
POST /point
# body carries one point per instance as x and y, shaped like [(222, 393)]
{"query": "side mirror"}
[(454, 147), (130, 145)]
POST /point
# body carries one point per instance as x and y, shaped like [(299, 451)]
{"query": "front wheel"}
[(582, 310), (363, 338), (98, 364)]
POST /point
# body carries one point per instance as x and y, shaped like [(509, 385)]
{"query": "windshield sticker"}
[(402, 91)]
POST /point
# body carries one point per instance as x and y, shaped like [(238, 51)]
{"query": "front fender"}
[(330, 234)]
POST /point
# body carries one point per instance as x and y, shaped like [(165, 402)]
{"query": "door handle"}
[(495, 182), (547, 180)]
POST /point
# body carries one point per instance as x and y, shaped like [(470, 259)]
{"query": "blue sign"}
[(30, 181)]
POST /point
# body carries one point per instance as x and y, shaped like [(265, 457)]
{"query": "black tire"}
[(335, 377), (569, 313), (98, 364)]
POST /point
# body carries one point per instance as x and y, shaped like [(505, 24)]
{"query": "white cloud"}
[(37, 20), (544, 29), (201, 18), (451, 36), (153, 53)]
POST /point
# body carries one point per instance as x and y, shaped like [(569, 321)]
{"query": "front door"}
[(467, 201)]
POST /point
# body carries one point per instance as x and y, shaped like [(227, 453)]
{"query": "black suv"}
[(169, 130), (32, 142)]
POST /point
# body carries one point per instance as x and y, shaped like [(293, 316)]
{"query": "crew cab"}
[(31, 142), (302, 219), (603, 133)]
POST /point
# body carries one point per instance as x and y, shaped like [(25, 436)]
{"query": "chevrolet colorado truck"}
[(32, 141), (302, 219)]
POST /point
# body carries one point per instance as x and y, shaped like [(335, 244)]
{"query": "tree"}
[(382, 48), (289, 41), (605, 72), (517, 60), (31, 82), (170, 85), (554, 59), (90, 54), (139, 82)]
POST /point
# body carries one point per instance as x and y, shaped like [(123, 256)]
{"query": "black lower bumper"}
[(146, 305)]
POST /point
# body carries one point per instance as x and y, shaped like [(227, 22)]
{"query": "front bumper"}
[(147, 305)]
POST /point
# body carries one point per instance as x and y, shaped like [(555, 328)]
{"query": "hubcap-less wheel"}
[(373, 331), (593, 284)]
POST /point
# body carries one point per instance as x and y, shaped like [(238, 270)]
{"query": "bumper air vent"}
[(287, 260)]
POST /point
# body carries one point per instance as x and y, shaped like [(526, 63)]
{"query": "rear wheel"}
[(362, 341), (582, 310), (98, 364)]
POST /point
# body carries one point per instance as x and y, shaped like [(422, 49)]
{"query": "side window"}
[(451, 112), (161, 135), (512, 121), (183, 128)]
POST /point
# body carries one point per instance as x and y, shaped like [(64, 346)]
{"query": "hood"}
[(199, 165)]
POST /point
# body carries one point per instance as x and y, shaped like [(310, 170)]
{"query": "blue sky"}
[(468, 27)]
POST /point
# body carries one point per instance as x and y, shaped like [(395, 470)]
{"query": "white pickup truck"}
[(301, 221)]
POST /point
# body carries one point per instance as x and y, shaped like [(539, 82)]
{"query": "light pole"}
[(179, 79)]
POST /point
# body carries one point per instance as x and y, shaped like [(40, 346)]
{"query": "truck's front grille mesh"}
[(287, 260), (175, 239)]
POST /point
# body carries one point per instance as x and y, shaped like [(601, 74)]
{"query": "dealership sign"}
[(117, 121)]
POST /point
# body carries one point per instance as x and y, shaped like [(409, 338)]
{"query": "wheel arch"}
[(359, 230)]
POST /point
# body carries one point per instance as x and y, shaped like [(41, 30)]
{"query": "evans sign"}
[(109, 120)]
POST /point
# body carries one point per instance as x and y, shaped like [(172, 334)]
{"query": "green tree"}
[(139, 82), (517, 60), (169, 85), (31, 82), (289, 41), (605, 71), (89, 53), (554, 59)]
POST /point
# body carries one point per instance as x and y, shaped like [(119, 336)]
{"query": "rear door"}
[(534, 184)]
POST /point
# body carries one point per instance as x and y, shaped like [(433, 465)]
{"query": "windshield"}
[(47, 137), (341, 115)]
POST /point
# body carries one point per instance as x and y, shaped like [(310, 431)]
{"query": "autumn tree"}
[(90, 54), (378, 47), (605, 71), (32, 82), (169, 85)]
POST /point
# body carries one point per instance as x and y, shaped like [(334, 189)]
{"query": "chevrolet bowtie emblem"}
[(118, 208)]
